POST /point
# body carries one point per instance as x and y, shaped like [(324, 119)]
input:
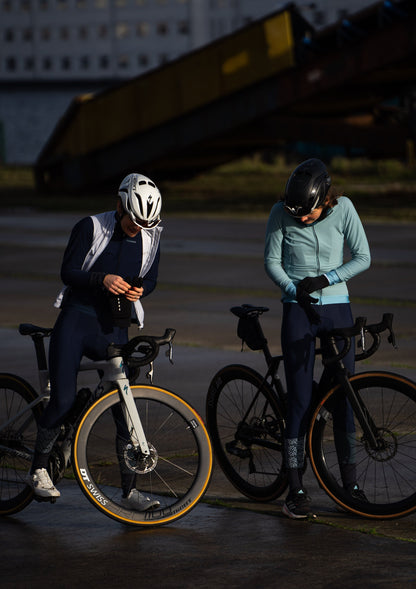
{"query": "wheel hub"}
[(138, 462), (386, 446)]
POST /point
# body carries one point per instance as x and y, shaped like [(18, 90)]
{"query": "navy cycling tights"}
[(298, 338), (76, 334)]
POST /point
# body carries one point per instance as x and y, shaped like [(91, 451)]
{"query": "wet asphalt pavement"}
[(207, 266)]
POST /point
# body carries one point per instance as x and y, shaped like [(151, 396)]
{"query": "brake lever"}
[(169, 352), (392, 339), (362, 335), (149, 375)]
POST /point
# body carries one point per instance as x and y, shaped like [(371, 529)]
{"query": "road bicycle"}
[(142, 434), (245, 413)]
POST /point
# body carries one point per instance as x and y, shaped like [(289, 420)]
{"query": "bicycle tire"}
[(255, 470), (17, 442), (181, 463), (387, 476)]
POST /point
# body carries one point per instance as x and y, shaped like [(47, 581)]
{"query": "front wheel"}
[(386, 474), (176, 474), (246, 425), (18, 431)]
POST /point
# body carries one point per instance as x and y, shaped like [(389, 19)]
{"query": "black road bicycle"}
[(245, 414), (144, 433)]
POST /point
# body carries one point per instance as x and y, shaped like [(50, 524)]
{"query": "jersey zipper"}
[(318, 263)]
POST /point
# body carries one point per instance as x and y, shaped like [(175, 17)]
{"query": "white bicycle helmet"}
[(141, 200)]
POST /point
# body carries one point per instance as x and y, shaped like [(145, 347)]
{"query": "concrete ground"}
[(207, 266)]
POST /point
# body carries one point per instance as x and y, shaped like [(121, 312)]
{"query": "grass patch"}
[(249, 186)]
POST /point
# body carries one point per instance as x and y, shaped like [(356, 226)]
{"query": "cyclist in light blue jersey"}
[(304, 256)]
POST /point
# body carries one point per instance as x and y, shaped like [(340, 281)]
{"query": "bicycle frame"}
[(334, 374), (333, 356), (113, 375), (339, 376)]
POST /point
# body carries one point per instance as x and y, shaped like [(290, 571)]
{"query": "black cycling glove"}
[(305, 301), (312, 283)]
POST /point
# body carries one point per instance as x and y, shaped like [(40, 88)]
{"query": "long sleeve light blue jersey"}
[(294, 250)]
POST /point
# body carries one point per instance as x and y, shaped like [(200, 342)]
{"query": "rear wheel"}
[(246, 425), (19, 425), (386, 474)]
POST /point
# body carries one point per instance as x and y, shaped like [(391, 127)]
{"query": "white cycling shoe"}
[(42, 485), (139, 502)]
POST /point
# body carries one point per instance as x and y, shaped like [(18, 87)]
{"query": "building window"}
[(45, 34), (162, 29), (11, 64), (123, 61), (6, 5), (84, 62), (43, 4), (66, 63), (62, 4), (100, 3), (104, 62), (27, 35), (9, 35), (102, 32), (29, 64), (122, 30), (25, 5), (83, 32), (143, 60), (183, 27), (64, 33), (47, 63), (142, 29), (163, 58), (80, 3)]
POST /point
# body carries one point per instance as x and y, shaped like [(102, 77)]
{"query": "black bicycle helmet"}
[(306, 188)]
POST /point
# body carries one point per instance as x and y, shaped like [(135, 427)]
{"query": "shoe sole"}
[(41, 499), (292, 515), (147, 508)]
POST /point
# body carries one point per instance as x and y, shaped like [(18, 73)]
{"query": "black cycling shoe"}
[(298, 505), (357, 494)]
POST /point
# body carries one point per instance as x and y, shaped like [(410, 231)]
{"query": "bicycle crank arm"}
[(248, 442)]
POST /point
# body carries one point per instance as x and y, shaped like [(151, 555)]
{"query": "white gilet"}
[(104, 224)]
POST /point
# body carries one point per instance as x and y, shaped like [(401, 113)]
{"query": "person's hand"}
[(312, 283), (305, 301), (134, 293), (115, 284)]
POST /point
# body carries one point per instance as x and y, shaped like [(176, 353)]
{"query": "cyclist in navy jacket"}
[(110, 263), (304, 253)]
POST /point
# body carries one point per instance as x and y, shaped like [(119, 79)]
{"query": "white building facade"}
[(50, 40), (51, 50)]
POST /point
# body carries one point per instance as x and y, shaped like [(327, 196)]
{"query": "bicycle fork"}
[(364, 418), (115, 372)]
